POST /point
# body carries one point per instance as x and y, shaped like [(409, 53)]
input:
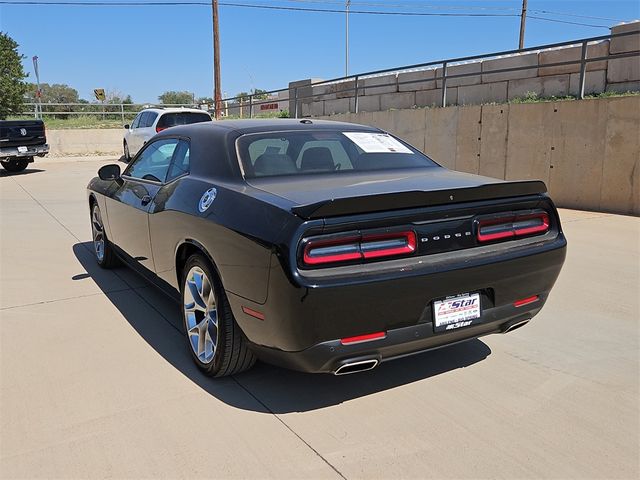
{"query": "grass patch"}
[(82, 121), (533, 97)]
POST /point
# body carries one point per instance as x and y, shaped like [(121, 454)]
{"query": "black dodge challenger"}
[(323, 246)]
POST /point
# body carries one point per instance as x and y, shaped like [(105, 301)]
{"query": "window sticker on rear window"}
[(376, 142)]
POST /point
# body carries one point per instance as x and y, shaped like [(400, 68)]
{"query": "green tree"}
[(241, 97), (176, 97), (260, 94), (55, 93), (257, 94), (12, 84)]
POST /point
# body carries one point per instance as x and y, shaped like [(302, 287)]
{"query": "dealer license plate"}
[(456, 312), (23, 149)]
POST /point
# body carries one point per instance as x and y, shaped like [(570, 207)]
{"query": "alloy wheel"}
[(201, 314), (97, 229)]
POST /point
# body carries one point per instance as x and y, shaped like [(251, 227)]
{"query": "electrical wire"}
[(242, 5), (567, 22), (84, 3)]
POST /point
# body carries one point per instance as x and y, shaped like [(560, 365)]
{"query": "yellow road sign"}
[(99, 93)]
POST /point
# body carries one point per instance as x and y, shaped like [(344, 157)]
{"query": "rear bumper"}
[(303, 325), (328, 357), (8, 153)]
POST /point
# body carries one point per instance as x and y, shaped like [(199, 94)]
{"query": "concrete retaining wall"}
[(587, 151), (85, 142), (421, 89)]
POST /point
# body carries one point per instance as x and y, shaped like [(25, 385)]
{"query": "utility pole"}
[(38, 112), (217, 98), (346, 57), (523, 21)]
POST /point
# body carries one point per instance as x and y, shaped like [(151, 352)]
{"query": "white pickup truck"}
[(20, 141)]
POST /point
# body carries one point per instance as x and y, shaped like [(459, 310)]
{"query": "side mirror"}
[(126, 127), (109, 172)]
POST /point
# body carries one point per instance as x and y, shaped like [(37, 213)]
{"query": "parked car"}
[(153, 120), (20, 141), (323, 246)]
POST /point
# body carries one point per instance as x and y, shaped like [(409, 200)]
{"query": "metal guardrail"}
[(444, 65), (252, 101), (105, 110)]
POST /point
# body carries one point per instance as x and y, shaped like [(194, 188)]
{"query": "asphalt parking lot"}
[(96, 379)]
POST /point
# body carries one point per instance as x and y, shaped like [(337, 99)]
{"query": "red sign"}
[(269, 106)]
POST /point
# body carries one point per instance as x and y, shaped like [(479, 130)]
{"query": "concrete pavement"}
[(96, 380)]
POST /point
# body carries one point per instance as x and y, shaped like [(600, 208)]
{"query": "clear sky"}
[(144, 51)]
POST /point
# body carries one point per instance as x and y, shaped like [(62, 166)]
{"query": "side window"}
[(143, 120), (136, 121), (153, 162), (180, 164), (151, 117)]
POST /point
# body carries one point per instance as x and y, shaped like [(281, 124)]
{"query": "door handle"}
[(145, 200)]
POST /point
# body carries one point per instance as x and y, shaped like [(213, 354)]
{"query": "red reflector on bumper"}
[(253, 313), (363, 338), (525, 301)]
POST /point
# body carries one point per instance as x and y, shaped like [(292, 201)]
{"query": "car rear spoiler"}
[(416, 199)]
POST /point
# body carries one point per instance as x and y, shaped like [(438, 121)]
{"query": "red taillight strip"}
[(408, 247), (253, 313), (525, 301), (486, 237), (506, 227), (363, 338), (309, 259), (543, 227), (367, 246)]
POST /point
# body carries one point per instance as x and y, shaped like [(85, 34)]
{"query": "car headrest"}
[(376, 161), (317, 158), (274, 164)]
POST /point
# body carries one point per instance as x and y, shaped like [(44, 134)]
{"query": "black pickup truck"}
[(20, 141)]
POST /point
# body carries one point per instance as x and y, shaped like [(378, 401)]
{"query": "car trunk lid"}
[(330, 195)]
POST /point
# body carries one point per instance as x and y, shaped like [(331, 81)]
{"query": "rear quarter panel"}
[(237, 231)]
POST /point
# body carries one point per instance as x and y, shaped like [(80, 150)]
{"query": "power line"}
[(577, 15), (568, 22), (82, 3), (242, 5), (449, 7)]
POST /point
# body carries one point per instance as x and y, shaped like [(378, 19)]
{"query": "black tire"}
[(108, 258), (127, 155), (231, 354), (16, 164)]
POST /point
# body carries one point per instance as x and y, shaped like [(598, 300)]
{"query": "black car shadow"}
[(157, 319), (5, 173)]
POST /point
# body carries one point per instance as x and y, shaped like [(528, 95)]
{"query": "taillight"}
[(515, 225), (359, 247), (159, 129), (330, 251)]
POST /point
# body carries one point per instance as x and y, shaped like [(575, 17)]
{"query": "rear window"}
[(309, 152), (182, 118)]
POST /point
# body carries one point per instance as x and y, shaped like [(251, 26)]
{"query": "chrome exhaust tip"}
[(356, 367), (516, 325)]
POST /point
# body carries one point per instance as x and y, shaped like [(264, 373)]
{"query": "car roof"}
[(162, 110), (268, 125)]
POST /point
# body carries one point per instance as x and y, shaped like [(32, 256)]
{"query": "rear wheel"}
[(105, 255), (217, 344), (16, 164)]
